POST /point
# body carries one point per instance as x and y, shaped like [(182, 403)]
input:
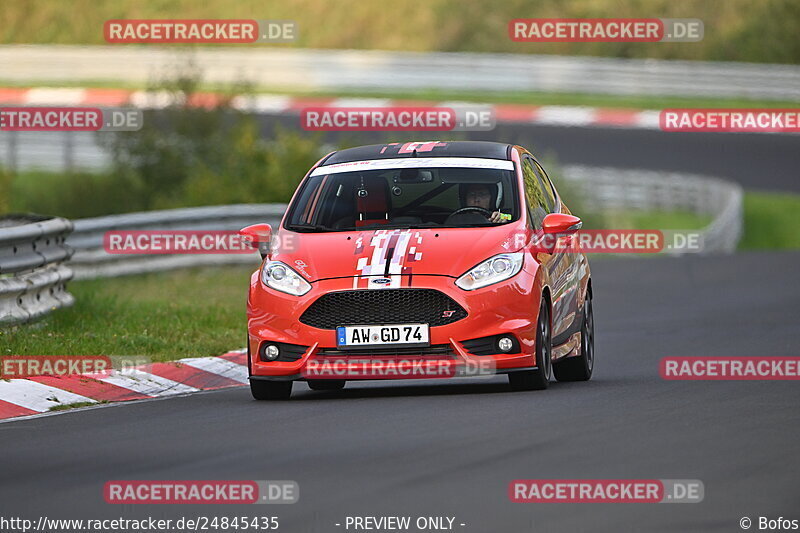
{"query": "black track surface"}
[(451, 448)]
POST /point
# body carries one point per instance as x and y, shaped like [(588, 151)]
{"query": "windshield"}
[(431, 197)]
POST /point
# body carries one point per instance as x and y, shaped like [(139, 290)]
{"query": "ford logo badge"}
[(381, 281)]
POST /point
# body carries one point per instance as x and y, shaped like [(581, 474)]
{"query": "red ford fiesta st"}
[(420, 260)]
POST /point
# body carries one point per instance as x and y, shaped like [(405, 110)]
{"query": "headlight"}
[(282, 278), (493, 270)]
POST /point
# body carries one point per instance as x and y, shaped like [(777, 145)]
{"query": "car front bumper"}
[(509, 307)]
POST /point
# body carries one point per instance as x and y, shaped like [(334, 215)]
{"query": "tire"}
[(326, 384), (580, 368), (270, 390), (537, 379)]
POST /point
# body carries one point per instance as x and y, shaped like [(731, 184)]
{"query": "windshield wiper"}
[(309, 227), (476, 225), (406, 226)]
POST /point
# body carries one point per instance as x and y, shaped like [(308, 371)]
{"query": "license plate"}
[(384, 335)]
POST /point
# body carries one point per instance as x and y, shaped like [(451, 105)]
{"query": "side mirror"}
[(561, 224), (556, 225), (259, 236)]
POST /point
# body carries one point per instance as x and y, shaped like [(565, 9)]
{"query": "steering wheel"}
[(482, 211)]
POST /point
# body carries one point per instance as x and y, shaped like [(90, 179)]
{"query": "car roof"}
[(482, 149)]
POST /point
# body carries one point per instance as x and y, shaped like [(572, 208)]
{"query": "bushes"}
[(735, 30), (72, 194), (190, 156), (177, 165), (252, 170), (183, 156)]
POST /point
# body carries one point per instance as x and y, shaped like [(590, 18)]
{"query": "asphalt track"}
[(757, 161), (451, 448)]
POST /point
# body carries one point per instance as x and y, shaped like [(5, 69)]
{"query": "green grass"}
[(554, 98), (735, 30), (644, 220), (663, 220), (164, 316), (483, 97), (771, 221), (66, 406)]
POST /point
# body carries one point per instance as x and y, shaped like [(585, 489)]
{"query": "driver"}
[(480, 195)]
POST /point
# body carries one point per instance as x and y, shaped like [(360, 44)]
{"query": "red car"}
[(420, 260)]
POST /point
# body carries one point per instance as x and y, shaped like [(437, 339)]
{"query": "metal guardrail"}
[(614, 188), (382, 70), (33, 275), (92, 261), (608, 188)]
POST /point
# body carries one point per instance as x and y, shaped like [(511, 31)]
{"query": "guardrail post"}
[(33, 273)]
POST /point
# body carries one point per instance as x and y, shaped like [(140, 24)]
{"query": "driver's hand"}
[(496, 217)]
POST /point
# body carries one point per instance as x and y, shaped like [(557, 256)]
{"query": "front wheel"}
[(537, 379), (270, 390), (580, 368)]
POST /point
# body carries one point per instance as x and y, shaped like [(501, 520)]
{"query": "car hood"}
[(446, 251)]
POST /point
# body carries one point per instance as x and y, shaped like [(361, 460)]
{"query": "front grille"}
[(435, 351), (382, 306)]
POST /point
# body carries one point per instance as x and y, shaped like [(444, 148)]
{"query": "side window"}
[(547, 187), (534, 193), (302, 212)]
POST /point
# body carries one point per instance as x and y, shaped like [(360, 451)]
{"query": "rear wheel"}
[(539, 378), (326, 384), (580, 368), (270, 390)]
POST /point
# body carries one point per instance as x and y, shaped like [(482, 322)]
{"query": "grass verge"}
[(164, 316), (484, 97), (76, 405), (655, 220), (771, 221)]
